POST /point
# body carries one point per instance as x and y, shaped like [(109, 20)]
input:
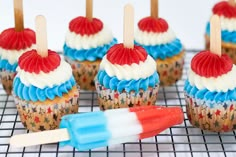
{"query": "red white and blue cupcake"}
[(227, 14), (12, 45), (210, 92), (157, 38), (126, 78), (87, 41), (44, 90)]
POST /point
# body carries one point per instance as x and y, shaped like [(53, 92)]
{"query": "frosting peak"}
[(150, 24), (13, 40), (120, 55), (81, 25), (32, 62), (207, 64), (224, 9)]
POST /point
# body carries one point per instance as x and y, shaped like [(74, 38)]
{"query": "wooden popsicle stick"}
[(154, 8), (41, 36), (128, 26), (38, 138), (89, 10), (19, 17), (215, 35), (231, 2)]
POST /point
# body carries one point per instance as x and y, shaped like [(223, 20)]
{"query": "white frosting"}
[(128, 72), (222, 83), (56, 77), (228, 24), (78, 41), (13, 55), (150, 38)]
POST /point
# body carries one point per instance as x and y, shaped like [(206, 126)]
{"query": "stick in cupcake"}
[(99, 129), (13, 43), (86, 42), (210, 87), (44, 87), (157, 38)]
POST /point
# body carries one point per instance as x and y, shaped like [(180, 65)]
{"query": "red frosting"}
[(31, 62), (13, 40), (120, 55), (81, 25), (207, 64), (150, 24), (224, 9)]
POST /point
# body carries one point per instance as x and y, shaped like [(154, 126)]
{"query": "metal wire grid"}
[(182, 140)]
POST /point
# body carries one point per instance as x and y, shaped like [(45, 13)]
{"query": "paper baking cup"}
[(40, 117), (7, 80), (227, 48), (84, 73), (110, 99), (170, 70), (220, 118)]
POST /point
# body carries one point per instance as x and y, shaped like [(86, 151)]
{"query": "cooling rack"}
[(178, 141)]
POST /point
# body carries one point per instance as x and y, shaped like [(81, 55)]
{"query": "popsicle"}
[(98, 129)]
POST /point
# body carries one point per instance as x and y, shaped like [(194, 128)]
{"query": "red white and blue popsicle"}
[(99, 129)]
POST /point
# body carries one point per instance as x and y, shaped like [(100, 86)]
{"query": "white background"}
[(186, 17)]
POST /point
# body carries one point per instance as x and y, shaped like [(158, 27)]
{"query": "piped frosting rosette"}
[(227, 14), (124, 71), (12, 45), (210, 92), (157, 38), (42, 78), (87, 40)]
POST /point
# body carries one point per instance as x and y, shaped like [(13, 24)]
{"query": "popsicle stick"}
[(215, 35), (41, 36), (154, 8), (232, 2), (128, 26), (38, 138), (89, 9), (19, 17)]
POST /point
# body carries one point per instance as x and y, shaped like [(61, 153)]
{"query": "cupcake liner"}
[(220, 118), (7, 80), (110, 99), (84, 73), (227, 48), (40, 117), (170, 70)]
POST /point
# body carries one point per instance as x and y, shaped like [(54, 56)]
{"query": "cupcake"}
[(210, 92), (44, 88), (126, 78), (85, 44), (160, 42), (12, 45), (227, 14)]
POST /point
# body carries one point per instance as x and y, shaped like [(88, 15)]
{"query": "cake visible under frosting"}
[(87, 40), (211, 78), (127, 69), (227, 14), (157, 38), (12, 45), (40, 78)]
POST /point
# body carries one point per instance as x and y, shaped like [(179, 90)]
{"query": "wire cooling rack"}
[(178, 141)]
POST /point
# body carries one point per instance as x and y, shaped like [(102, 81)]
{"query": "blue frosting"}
[(32, 93), (205, 94), (5, 65), (226, 36), (163, 51), (90, 131), (88, 54), (128, 85)]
